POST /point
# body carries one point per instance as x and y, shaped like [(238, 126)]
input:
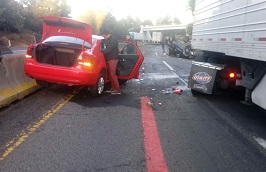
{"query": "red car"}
[(69, 54)]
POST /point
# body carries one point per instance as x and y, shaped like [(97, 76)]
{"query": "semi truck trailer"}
[(156, 37), (230, 36)]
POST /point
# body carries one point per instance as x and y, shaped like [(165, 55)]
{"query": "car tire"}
[(42, 83), (97, 90)]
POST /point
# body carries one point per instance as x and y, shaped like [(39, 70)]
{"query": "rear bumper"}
[(77, 75)]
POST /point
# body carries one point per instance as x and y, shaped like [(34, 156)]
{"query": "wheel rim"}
[(100, 85)]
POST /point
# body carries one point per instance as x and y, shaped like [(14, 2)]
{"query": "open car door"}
[(130, 60)]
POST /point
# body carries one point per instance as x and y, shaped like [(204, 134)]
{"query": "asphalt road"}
[(65, 129)]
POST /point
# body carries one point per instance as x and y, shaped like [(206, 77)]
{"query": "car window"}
[(67, 40), (128, 49)]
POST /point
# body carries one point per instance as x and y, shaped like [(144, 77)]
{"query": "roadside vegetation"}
[(19, 19)]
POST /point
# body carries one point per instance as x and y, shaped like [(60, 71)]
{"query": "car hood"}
[(59, 26)]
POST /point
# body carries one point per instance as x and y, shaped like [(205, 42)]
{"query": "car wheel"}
[(97, 89), (42, 83)]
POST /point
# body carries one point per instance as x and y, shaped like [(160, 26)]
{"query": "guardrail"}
[(14, 84)]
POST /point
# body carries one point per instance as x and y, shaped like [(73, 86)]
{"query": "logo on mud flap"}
[(200, 87), (202, 77)]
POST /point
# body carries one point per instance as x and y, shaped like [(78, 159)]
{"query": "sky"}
[(143, 9)]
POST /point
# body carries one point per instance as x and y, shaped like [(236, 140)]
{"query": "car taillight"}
[(29, 51), (85, 60), (232, 75)]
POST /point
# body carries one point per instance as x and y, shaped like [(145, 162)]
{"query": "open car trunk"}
[(59, 56)]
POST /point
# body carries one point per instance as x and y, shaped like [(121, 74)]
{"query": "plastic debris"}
[(159, 104), (153, 89), (149, 103), (177, 91)]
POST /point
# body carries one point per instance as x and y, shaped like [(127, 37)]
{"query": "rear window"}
[(68, 40)]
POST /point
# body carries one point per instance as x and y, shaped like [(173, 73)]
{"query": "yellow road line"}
[(19, 139)]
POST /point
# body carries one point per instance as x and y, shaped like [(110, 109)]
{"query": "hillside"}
[(17, 39)]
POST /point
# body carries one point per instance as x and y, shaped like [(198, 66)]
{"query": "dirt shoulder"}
[(16, 39)]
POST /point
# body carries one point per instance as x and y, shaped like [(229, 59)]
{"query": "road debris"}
[(149, 104), (174, 89)]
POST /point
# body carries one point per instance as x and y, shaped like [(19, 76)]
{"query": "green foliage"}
[(167, 20), (191, 5), (19, 15), (35, 9), (147, 23), (189, 29), (94, 19), (11, 16)]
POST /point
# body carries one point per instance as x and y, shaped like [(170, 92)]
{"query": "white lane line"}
[(261, 141), (180, 78), (172, 70), (168, 66)]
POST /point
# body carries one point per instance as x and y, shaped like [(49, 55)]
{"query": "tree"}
[(35, 9), (176, 21), (191, 5), (164, 21), (189, 29), (110, 23), (11, 16), (147, 22), (167, 20), (94, 19)]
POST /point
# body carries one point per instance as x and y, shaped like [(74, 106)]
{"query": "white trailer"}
[(156, 37), (231, 35)]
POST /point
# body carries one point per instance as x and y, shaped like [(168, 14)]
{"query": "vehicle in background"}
[(156, 37), (179, 47), (232, 38), (69, 54)]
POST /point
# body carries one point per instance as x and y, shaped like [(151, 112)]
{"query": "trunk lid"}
[(59, 26)]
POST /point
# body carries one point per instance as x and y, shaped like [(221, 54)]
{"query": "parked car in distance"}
[(69, 54)]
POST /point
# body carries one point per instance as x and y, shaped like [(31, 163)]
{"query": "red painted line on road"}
[(154, 154)]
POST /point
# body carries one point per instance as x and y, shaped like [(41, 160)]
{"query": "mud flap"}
[(202, 77)]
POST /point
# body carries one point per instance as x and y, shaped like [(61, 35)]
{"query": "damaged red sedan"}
[(69, 54)]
